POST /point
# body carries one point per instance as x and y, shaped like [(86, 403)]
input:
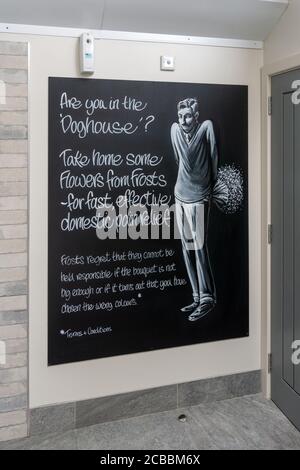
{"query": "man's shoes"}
[(202, 310), (190, 308)]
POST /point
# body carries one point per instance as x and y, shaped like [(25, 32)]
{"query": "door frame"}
[(267, 72)]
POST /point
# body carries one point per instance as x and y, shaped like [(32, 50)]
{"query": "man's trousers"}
[(192, 220)]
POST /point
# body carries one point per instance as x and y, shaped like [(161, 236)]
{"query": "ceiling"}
[(235, 19)]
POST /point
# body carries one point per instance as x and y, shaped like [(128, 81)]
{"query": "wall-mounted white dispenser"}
[(87, 53)]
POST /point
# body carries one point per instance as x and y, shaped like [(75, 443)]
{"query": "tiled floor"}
[(239, 423)]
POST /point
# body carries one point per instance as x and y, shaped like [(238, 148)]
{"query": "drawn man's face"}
[(187, 119)]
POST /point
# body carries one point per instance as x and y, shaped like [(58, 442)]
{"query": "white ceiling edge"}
[(234, 19), (247, 20), (129, 36)]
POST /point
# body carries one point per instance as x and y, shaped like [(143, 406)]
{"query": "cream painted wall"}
[(51, 56), (284, 39)]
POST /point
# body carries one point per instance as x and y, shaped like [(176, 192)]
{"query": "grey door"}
[(285, 248)]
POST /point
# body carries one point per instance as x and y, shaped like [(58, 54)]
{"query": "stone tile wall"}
[(13, 240)]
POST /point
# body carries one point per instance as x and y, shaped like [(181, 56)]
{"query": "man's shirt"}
[(197, 160)]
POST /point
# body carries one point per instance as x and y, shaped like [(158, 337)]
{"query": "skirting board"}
[(67, 416)]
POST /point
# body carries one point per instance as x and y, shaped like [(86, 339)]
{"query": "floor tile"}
[(250, 422), (246, 423), (160, 431)]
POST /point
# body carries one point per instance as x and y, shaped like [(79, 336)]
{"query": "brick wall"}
[(13, 240)]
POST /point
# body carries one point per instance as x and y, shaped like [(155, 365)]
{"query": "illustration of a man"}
[(196, 154)]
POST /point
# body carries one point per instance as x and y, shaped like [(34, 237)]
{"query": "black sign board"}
[(117, 281)]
